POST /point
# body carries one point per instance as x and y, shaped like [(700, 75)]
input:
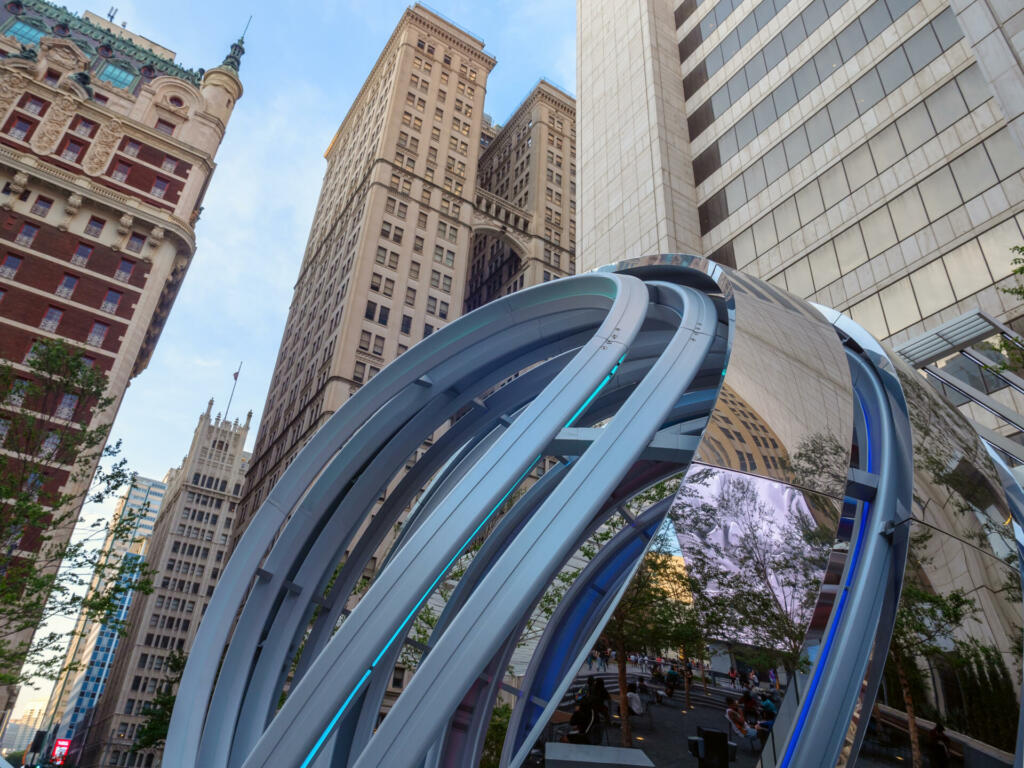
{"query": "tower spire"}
[(234, 58)]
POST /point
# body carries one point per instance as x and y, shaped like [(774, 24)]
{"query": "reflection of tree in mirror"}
[(754, 573), (819, 462), (949, 455)]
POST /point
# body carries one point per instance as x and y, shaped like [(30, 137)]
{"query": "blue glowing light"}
[(348, 700), (854, 557)]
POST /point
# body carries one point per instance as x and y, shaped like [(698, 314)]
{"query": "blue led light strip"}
[(827, 647), (366, 675)]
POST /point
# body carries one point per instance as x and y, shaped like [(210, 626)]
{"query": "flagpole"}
[(233, 385)]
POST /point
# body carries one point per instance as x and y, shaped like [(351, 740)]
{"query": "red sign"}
[(60, 750)]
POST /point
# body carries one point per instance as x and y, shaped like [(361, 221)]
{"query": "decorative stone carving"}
[(103, 147), (64, 54), (18, 183), (156, 235), (12, 84), (17, 187), (73, 204), (124, 224), (47, 135)]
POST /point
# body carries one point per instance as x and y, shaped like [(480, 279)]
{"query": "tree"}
[(925, 622), (754, 573), (495, 738), (152, 731), (50, 466)]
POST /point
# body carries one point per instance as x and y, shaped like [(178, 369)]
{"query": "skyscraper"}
[(107, 146), (527, 181), (91, 651), (867, 154), (386, 259), (188, 549)]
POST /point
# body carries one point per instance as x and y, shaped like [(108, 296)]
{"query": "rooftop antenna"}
[(247, 26), (111, 14)]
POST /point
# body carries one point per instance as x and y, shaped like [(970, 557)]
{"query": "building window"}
[(371, 310), (9, 266), (25, 33), (19, 129), (383, 315), (124, 270), (83, 127), (41, 207), (359, 372), (111, 301), (51, 319), (66, 286), (66, 407), (116, 76), (81, 255), (51, 78), (406, 324), (26, 234), (165, 126), (159, 187), (169, 164), (121, 170), (95, 227), (132, 147), (364, 340), (135, 242), (72, 151)]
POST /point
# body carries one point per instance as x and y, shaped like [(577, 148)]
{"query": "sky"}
[(303, 66)]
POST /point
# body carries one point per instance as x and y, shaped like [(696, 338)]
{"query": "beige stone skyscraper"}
[(387, 253), (187, 550), (525, 212)]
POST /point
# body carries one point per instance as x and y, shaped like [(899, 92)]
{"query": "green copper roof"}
[(122, 47)]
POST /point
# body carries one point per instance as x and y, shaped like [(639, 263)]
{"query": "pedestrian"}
[(582, 723), (732, 676), (590, 660), (938, 747), (773, 680)]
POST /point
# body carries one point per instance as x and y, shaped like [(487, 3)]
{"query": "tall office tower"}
[(864, 153), (188, 550), (526, 180), (106, 150), (386, 259), (91, 651)]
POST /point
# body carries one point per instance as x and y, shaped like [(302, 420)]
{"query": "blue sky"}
[(304, 64)]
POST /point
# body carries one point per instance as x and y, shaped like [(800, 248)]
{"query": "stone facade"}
[(524, 229), (386, 259), (188, 550), (106, 151)]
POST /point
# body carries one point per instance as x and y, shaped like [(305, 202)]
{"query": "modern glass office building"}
[(809, 478), (865, 154)]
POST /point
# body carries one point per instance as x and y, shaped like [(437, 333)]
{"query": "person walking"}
[(732, 676)]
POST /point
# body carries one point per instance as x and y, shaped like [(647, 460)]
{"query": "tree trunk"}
[(908, 702), (686, 686), (620, 658)]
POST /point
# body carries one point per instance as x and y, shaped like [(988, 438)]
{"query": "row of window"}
[(717, 58), (898, 67), (911, 131), (871, 22)]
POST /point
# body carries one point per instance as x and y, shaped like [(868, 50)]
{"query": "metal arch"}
[(849, 668), (572, 631), (607, 302), (526, 567), (321, 699)]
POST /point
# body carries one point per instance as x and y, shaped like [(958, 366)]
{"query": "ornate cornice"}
[(119, 44)]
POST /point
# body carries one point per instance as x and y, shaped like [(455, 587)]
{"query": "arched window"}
[(117, 74)]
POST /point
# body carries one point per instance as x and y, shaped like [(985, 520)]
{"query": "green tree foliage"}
[(49, 450), (754, 575), (152, 731), (495, 738), (924, 627)]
